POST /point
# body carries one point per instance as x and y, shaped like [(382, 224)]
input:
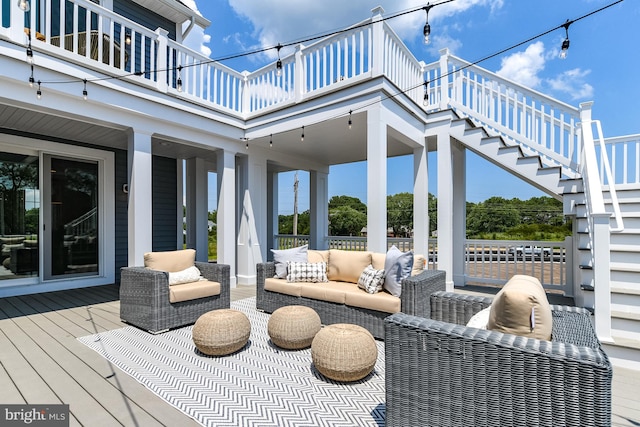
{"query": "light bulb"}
[(24, 5), (179, 85), (565, 49), (85, 94), (425, 101), (427, 33), (279, 68)]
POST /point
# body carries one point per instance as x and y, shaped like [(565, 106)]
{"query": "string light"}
[(24, 5), (39, 91), (350, 122), (246, 140), (84, 90), (32, 80), (565, 42), (425, 101), (279, 62), (302, 136), (270, 140), (426, 31), (179, 82)]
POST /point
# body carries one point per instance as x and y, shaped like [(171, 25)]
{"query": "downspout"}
[(189, 28)]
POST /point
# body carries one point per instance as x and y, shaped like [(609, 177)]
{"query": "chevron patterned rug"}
[(261, 385)]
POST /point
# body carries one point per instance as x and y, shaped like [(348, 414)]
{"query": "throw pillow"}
[(480, 319), (521, 308), (398, 267), (371, 280), (313, 272), (188, 275), (281, 256)]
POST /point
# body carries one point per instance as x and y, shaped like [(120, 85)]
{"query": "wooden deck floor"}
[(43, 363)]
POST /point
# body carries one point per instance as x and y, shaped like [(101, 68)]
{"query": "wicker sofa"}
[(148, 301), (440, 373), (355, 305)]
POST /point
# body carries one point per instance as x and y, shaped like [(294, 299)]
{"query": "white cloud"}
[(284, 21), (524, 67), (572, 83)]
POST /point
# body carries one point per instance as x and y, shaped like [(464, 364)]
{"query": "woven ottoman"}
[(221, 332), (344, 352), (293, 327)]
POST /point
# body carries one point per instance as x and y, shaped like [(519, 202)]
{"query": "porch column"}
[(459, 159), (420, 202), (226, 218), (272, 212), (319, 210), (376, 181), (445, 206), (253, 216), (139, 212), (197, 199)]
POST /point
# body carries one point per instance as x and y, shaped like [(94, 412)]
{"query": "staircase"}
[(623, 343)]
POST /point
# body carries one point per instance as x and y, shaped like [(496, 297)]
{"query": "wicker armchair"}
[(441, 373), (145, 300)]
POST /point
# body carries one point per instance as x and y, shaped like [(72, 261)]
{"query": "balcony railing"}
[(487, 262)]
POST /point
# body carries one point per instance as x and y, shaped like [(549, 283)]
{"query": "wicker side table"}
[(221, 332), (344, 352), (293, 327)]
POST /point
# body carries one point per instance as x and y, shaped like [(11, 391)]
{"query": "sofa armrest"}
[(143, 283), (456, 308), (220, 273), (264, 270), (416, 293)]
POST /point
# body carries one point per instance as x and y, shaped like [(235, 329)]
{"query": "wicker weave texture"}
[(144, 298), (221, 332), (444, 374), (415, 299), (344, 352), (293, 327)]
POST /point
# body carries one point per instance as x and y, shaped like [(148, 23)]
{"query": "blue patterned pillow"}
[(371, 280), (306, 272)]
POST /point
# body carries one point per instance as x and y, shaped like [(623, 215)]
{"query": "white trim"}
[(106, 232)]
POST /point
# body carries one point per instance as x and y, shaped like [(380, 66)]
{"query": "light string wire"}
[(392, 96)]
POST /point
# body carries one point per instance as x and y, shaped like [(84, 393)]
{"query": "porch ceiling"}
[(331, 142)]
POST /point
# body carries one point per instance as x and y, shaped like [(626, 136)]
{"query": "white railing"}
[(487, 262), (538, 123), (624, 156)]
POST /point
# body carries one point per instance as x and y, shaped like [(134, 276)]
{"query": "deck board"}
[(43, 362)]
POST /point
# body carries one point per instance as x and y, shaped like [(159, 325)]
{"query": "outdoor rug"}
[(261, 385)]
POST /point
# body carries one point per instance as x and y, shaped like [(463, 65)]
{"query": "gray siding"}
[(144, 17), (165, 193), (121, 219)]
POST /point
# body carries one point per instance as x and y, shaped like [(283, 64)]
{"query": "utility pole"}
[(295, 205)]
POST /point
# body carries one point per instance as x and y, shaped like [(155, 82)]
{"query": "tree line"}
[(497, 218)]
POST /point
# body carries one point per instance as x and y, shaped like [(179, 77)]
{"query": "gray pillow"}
[(281, 256), (398, 266)]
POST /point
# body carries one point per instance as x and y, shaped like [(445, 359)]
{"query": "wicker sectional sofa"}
[(440, 372), (341, 301)]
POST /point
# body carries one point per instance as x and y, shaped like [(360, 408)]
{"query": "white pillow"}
[(191, 274), (313, 272), (282, 256), (398, 267), (371, 280), (480, 319)]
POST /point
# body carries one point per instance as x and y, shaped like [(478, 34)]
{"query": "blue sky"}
[(601, 66)]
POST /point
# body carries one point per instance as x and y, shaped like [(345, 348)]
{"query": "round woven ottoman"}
[(293, 327), (344, 352), (221, 332)]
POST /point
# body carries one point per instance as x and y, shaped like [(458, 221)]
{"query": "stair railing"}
[(599, 223)]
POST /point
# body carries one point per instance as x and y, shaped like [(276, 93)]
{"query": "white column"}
[(197, 199), (253, 217), (458, 158), (420, 202), (139, 163), (319, 209), (226, 218), (272, 211), (376, 181), (445, 207)]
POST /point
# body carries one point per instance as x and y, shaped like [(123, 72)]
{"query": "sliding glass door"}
[(70, 224)]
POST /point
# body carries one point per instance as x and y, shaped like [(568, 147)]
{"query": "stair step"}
[(626, 342), (587, 287), (623, 266), (625, 291), (624, 248), (625, 315), (585, 267)]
